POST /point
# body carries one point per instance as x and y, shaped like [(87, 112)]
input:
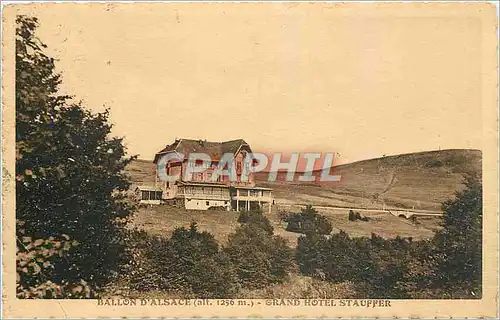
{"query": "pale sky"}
[(284, 77)]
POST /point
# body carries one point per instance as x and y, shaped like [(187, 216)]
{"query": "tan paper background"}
[(467, 121)]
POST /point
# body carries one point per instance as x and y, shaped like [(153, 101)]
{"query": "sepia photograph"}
[(241, 159)]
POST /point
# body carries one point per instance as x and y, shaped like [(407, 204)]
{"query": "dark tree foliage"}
[(353, 216), (258, 257), (189, 263), (69, 180), (459, 243), (376, 265), (257, 218), (308, 220), (448, 266), (312, 253)]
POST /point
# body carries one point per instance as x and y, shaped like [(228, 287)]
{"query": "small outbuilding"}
[(149, 195)]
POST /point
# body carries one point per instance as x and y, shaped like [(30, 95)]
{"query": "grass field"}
[(162, 220)]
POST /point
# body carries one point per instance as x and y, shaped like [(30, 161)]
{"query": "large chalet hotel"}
[(201, 192)]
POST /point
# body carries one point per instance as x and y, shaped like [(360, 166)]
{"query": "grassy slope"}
[(423, 180), (420, 180)]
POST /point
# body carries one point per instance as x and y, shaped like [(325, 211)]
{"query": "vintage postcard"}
[(261, 159)]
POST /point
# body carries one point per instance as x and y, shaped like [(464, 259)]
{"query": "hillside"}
[(141, 172), (421, 180), (417, 180)]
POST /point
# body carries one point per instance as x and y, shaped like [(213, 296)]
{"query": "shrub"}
[(311, 254), (434, 164), (283, 215), (374, 264), (256, 218), (258, 257), (353, 216), (308, 220), (191, 260), (219, 208), (140, 271), (448, 266)]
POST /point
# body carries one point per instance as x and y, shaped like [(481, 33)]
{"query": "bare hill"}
[(420, 180), (141, 172)]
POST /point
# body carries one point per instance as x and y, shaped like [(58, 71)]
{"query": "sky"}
[(285, 77)]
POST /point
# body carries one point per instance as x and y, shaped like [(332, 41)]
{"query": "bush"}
[(256, 218), (140, 271), (283, 215), (448, 266), (190, 260), (219, 208), (374, 264), (434, 164), (353, 216), (307, 221), (190, 263), (258, 257)]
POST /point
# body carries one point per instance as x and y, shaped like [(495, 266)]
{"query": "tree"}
[(189, 263), (448, 266), (459, 243), (256, 217), (69, 180), (258, 257), (308, 220)]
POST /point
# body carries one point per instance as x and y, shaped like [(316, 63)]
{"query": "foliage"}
[(308, 220), (189, 262), (353, 216), (35, 261), (69, 178), (139, 270), (256, 218), (282, 215), (459, 243), (374, 264), (448, 266), (258, 257)]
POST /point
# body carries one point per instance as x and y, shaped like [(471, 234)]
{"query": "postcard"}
[(249, 160)]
